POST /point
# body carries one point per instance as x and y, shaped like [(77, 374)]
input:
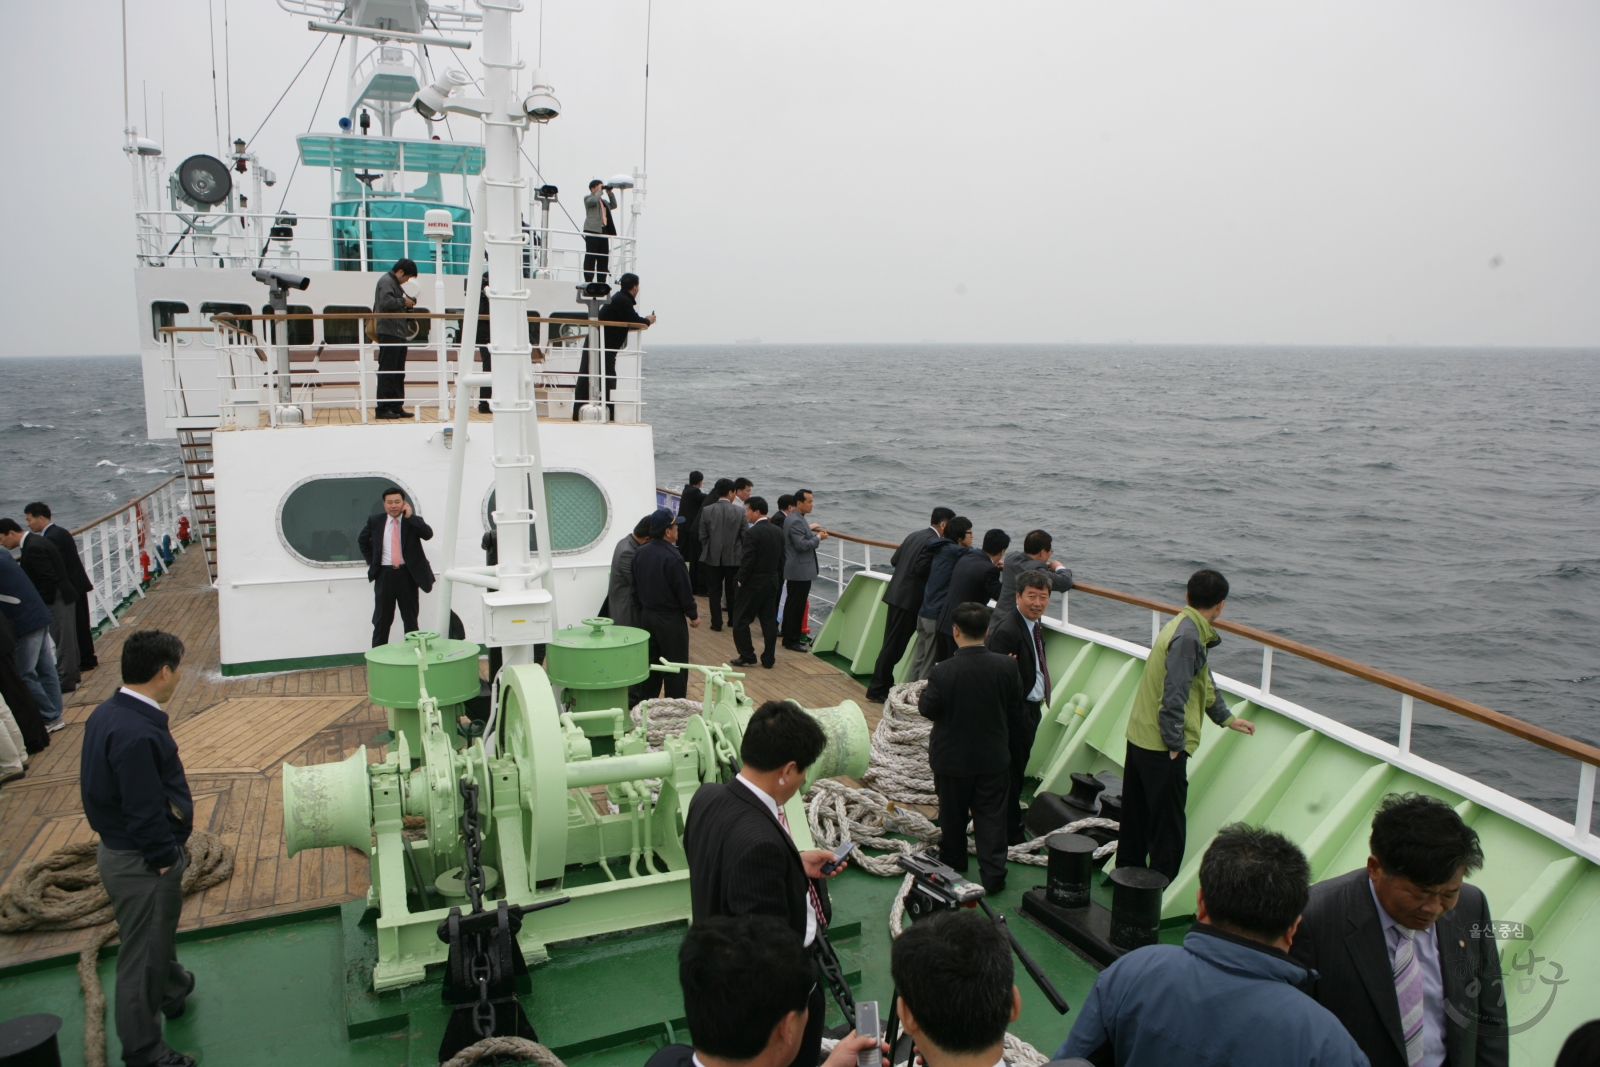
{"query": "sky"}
[(1352, 172)]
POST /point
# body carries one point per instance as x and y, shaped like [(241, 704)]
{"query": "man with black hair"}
[(397, 567), (41, 561), (975, 701), (742, 857), (742, 488), (936, 563), (1174, 690), (746, 984), (903, 595), (721, 549), (801, 537), (393, 334), (37, 516), (1403, 950), (666, 604), (597, 228), (136, 797), (974, 578), (956, 994), (690, 501), (785, 508), (619, 310), (760, 578), (619, 605), (1020, 635), (1230, 995), (1034, 555)]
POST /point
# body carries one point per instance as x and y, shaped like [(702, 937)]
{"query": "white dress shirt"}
[(139, 696), (772, 806), (1427, 950), (1037, 693), (389, 530)]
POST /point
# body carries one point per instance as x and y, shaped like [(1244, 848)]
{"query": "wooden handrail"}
[(1566, 746), (119, 510), (228, 316)]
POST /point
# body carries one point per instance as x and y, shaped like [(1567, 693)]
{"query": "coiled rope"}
[(524, 1050), (62, 891)]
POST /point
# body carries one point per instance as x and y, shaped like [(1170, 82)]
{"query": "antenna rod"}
[(644, 162), (124, 63)]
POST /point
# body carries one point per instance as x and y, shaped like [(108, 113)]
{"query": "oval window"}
[(321, 518), (578, 511)]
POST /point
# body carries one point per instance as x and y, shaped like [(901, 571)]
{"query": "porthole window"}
[(321, 518), (579, 512)]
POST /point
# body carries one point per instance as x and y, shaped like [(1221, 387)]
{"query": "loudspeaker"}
[(329, 804)]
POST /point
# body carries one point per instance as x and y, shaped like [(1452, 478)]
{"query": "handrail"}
[(229, 317), (1427, 694), (114, 512), (1527, 731)]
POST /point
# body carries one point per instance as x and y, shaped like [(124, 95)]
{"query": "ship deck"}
[(236, 733)]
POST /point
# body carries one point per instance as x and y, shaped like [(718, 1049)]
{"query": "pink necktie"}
[(394, 543), (1408, 990), (816, 901)]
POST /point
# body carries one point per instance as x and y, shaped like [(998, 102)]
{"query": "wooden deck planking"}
[(235, 734)]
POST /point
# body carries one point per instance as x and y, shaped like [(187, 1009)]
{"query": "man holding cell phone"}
[(742, 857)]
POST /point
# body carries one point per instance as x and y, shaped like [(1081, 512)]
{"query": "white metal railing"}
[(233, 375), (123, 546), (241, 240)]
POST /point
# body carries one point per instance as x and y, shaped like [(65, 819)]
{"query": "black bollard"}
[(1069, 869), (1136, 906), (1086, 790), (30, 1041)]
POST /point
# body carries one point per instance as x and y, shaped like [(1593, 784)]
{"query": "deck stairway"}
[(195, 446)]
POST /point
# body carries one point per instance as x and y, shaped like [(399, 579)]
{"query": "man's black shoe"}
[(743, 661), (483, 408), (769, 666), (995, 888), (789, 646), (878, 698), (177, 1012), (173, 1059), (716, 628)]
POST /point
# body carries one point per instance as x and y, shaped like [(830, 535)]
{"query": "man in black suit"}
[(1403, 950), (690, 501), (760, 579), (1020, 634), (37, 516), (666, 604), (620, 310), (746, 992), (904, 598), (391, 543), (785, 509), (742, 859), (975, 579), (975, 701), (42, 563)]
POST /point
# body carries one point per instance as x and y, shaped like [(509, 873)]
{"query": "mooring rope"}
[(524, 1050), (62, 891)]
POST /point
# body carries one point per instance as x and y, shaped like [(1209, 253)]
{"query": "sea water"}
[(1432, 513)]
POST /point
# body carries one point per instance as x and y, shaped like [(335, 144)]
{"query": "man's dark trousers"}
[(597, 256), (1021, 747), (794, 611), (757, 600), (721, 582), (897, 631), (86, 657), (394, 586), (581, 391), (669, 637), (1155, 792), (391, 378), (982, 798), (149, 976)]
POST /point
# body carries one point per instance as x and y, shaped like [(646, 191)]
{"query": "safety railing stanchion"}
[(1582, 821), (361, 357), (1266, 668)]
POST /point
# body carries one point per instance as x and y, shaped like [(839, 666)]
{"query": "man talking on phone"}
[(391, 543), (742, 857)]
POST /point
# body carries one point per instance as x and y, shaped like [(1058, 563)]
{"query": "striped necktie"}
[(1408, 988), (816, 901), (395, 558), (1038, 652)]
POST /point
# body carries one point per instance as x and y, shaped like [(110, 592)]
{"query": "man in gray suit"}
[(1034, 556), (802, 537), (619, 606), (904, 597), (597, 228), (722, 528)]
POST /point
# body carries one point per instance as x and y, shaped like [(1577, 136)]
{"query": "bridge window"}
[(297, 331), (165, 313), (213, 307), (321, 518), (579, 512), (343, 331)]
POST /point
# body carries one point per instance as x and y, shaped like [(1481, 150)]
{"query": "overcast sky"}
[(1161, 172)]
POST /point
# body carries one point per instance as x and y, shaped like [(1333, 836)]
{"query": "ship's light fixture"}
[(540, 104)]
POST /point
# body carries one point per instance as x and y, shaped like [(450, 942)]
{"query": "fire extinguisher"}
[(144, 563), (183, 529)]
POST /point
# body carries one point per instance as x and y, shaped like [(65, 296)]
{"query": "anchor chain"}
[(483, 1017)]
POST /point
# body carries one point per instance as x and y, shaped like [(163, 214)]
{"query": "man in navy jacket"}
[(137, 799)]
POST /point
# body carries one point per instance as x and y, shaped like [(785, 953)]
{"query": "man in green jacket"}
[(1164, 730)]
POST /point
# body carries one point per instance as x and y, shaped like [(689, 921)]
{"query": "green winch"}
[(605, 831)]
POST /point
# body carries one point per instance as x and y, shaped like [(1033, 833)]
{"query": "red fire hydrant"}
[(144, 563), (183, 529)]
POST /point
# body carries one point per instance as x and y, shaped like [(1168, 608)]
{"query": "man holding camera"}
[(597, 226), (392, 337)]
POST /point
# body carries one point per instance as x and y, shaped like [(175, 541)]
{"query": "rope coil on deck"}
[(62, 891), (524, 1050)]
